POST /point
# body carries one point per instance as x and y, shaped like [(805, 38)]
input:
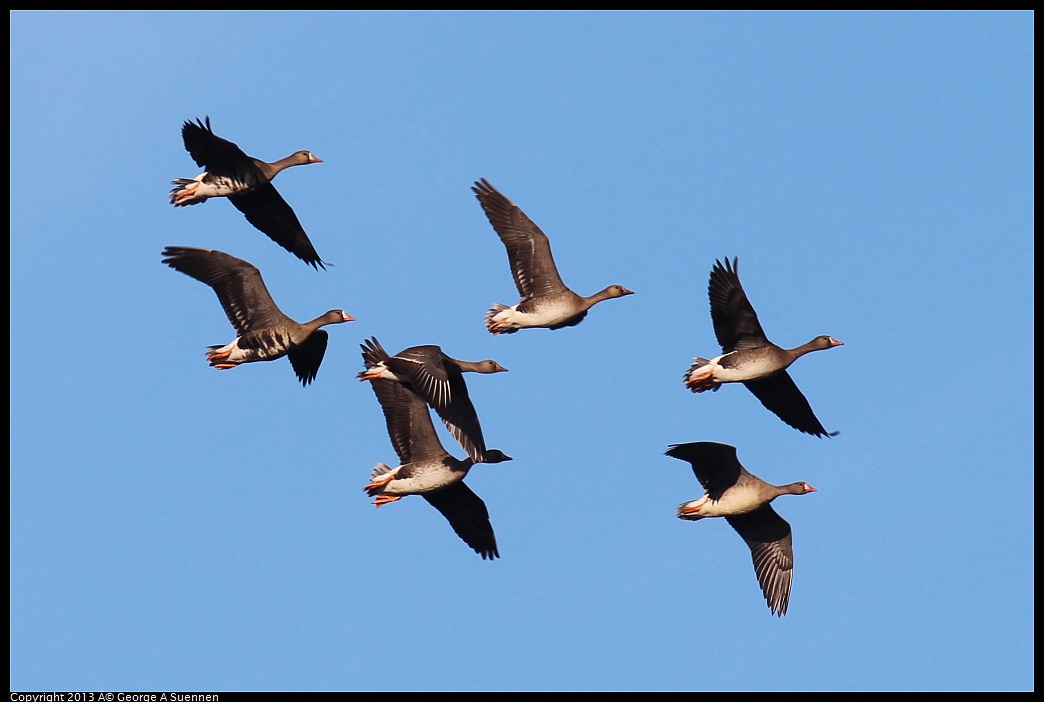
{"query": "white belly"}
[(424, 480)]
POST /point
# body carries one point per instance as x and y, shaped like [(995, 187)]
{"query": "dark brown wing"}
[(217, 155), (266, 209), (307, 357), (467, 514), (423, 368), (238, 285), (769, 538), (735, 322), (528, 249), (462, 420), (438, 380), (715, 465), (409, 422), (780, 395)]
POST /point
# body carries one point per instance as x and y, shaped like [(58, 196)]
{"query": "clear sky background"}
[(177, 527)]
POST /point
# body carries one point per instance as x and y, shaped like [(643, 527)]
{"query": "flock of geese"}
[(420, 378)]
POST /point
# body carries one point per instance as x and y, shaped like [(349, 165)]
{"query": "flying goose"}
[(750, 358), (438, 379), (744, 500), (247, 183), (264, 332), (426, 468), (546, 301)]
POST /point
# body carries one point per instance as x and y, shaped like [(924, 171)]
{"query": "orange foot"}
[(225, 366), (700, 382), (187, 191), (385, 499), (219, 355), (370, 376), (381, 481), (692, 507)]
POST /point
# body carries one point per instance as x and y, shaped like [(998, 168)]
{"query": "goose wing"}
[(715, 465), (528, 249), (438, 380), (308, 356), (238, 285), (736, 323), (219, 156), (467, 514), (409, 422), (270, 214), (769, 537), (781, 396)]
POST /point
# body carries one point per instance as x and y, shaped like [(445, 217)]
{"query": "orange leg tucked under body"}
[(376, 484), (700, 381), (694, 507), (220, 356), (379, 483), (186, 193)]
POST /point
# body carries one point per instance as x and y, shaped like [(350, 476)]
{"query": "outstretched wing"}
[(715, 465), (270, 214), (528, 249), (238, 285), (307, 357), (409, 422), (440, 382), (736, 323), (217, 155), (769, 537), (467, 514), (781, 396)]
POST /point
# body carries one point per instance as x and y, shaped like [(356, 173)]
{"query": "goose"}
[(545, 300), (426, 469), (745, 501), (247, 183), (264, 332), (438, 379), (750, 358)]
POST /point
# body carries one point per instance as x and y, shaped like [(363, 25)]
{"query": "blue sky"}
[(177, 527)]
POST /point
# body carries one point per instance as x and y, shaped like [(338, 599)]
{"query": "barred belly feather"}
[(265, 345)]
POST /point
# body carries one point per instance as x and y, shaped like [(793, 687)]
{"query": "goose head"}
[(336, 317), (495, 456), (302, 157), (489, 366), (798, 488)]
